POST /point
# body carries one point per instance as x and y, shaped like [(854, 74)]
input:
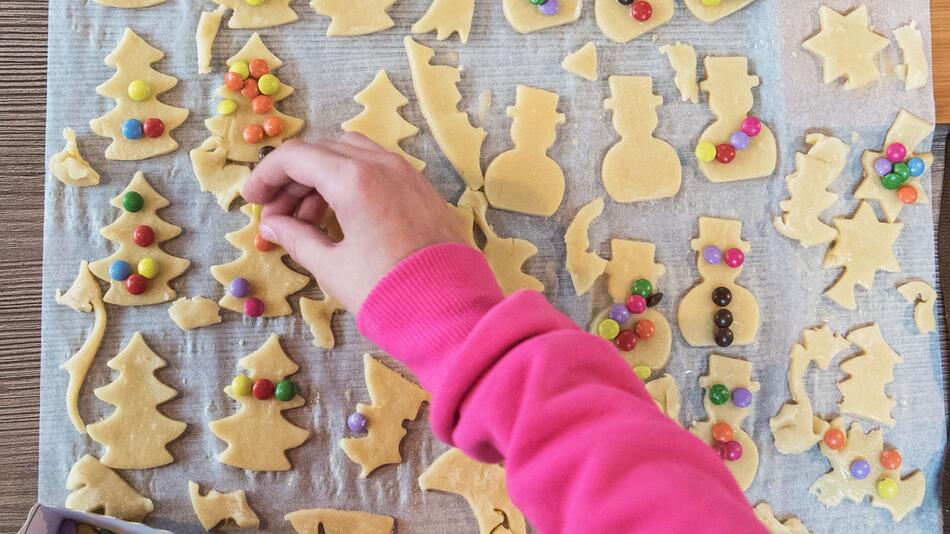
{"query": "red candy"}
[(253, 134), (725, 153), (907, 194), (273, 126), (734, 258), (153, 128), (262, 389), (834, 438), (258, 68), (626, 340), (253, 307), (751, 126), (641, 11), (262, 244), (143, 235), (262, 104), (644, 329), (250, 88), (890, 459), (136, 284), (233, 81)]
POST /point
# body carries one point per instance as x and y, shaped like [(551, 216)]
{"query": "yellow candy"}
[(642, 371), (268, 84), (254, 2), (887, 488), (608, 329), (241, 68), (256, 211), (227, 107), (711, 2), (241, 385), (705, 151), (139, 90), (148, 268)]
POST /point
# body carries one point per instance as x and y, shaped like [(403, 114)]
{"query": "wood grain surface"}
[(22, 117), (940, 24)]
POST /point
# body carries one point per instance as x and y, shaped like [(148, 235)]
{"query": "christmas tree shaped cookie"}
[(585, 267), (264, 393), (129, 3), (446, 17), (258, 14), (640, 166), (216, 507), (329, 521), (728, 401), (318, 314), (139, 272), (257, 283), (848, 47), (68, 165), (380, 119), (736, 146), (622, 20), (96, 488), (808, 191), (525, 179), (136, 434), (583, 62), (139, 125), (394, 400), (862, 393), (482, 485), (354, 17), (527, 16), (713, 10), (718, 311)]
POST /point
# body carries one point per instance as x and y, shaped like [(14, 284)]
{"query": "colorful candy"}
[(262, 104), (723, 337), (892, 181), (626, 340), (132, 202), (239, 287), (148, 268), (619, 313), (250, 90), (860, 469), (733, 451), (751, 126), (139, 90), (608, 329), (636, 304), (734, 258), (258, 67), (654, 299), (119, 270), (725, 153), (642, 371), (285, 390), (882, 166), (241, 385), (644, 329), (227, 106), (240, 68), (268, 84), (641, 11), (742, 397), (907, 194), (253, 307), (710, 3), (262, 389), (902, 170), (834, 438), (723, 318), (887, 488), (261, 244), (712, 255), (549, 8), (357, 423), (740, 140), (895, 152), (721, 296), (641, 287), (132, 129), (916, 166), (253, 134), (721, 432), (890, 459), (273, 126), (136, 284), (254, 3), (719, 394), (153, 128), (233, 81), (720, 448), (705, 151)]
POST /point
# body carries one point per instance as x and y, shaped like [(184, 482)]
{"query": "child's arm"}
[(513, 380)]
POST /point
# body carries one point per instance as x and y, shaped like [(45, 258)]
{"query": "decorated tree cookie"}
[(68, 165), (446, 17), (713, 10), (623, 20), (140, 125), (737, 146), (728, 401), (258, 283), (527, 16), (216, 507), (96, 488), (263, 393), (256, 14), (924, 298), (583, 62), (585, 267), (765, 514), (377, 428), (682, 57), (847, 46), (354, 17), (640, 166), (139, 271), (862, 393), (328, 521), (318, 314), (718, 311), (524, 179), (136, 433), (248, 124)]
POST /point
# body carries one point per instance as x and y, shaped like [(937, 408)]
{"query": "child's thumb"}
[(305, 243)]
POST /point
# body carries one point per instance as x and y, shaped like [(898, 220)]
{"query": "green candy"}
[(538, 2), (719, 394), (641, 287), (285, 390), (893, 180), (903, 170), (132, 202)]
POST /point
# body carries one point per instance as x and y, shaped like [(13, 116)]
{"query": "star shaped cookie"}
[(848, 47)]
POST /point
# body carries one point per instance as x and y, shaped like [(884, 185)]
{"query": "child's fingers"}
[(361, 142), (305, 243), (312, 209), (311, 165)]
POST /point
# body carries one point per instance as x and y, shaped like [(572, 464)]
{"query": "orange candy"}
[(644, 329), (273, 126), (907, 194), (250, 88), (834, 438), (233, 81), (253, 134), (890, 459), (722, 432), (262, 244), (262, 104), (258, 68)]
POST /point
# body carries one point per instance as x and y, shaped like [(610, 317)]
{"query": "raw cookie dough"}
[(869, 372), (68, 165), (380, 119), (732, 373), (327, 521), (524, 179), (265, 15), (666, 395), (482, 485), (393, 400), (208, 26), (129, 3), (354, 17), (792, 525), (796, 428), (318, 314), (264, 448), (524, 16), (97, 489), (618, 25), (863, 247), (446, 17), (270, 280), (808, 194), (696, 310), (120, 231), (195, 312), (436, 88), (682, 57), (215, 175), (216, 507), (83, 296), (583, 62), (713, 13), (923, 297), (729, 86), (640, 166), (838, 484), (132, 59), (847, 46), (583, 266), (914, 70)]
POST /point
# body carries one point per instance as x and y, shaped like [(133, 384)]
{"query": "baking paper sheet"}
[(327, 72)]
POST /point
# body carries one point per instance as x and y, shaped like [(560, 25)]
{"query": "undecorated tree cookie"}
[(329, 521)]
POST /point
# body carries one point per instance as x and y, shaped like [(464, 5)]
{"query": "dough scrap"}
[(327, 521), (796, 428), (266, 15), (765, 514), (482, 485), (923, 297), (808, 194), (914, 71), (120, 232), (394, 400), (713, 13), (863, 247), (215, 175), (264, 449), (911, 131), (682, 57), (216, 507), (733, 373), (640, 166), (269, 278), (869, 372), (195, 312), (583, 266), (318, 314), (666, 395), (83, 296), (129, 3), (836, 485), (208, 26), (524, 179), (524, 17), (505, 256), (69, 166), (729, 86), (695, 312), (132, 60), (136, 433), (354, 17), (614, 20), (380, 119), (95, 488), (446, 17), (436, 88), (847, 46), (583, 62)]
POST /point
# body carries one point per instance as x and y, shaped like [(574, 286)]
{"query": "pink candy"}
[(751, 126), (636, 304), (896, 152), (253, 307), (734, 258)]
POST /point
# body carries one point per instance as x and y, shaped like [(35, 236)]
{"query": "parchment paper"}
[(326, 73)]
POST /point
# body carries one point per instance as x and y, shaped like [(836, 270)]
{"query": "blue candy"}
[(132, 129), (917, 166), (119, 270)]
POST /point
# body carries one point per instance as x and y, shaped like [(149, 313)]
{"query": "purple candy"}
[(882, 166), (733, 450), (550, 7), (739, 140), (619, 313), (356, 422), (712, 255), (68, 526), (240, 287), (860, 469), (741, 397)]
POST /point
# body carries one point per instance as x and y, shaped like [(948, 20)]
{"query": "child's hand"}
[(387, 211)]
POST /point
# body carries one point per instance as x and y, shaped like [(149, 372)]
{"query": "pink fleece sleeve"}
[(513, 379)]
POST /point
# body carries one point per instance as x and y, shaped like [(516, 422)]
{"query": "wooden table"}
[(22, 170), (940, 24)]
